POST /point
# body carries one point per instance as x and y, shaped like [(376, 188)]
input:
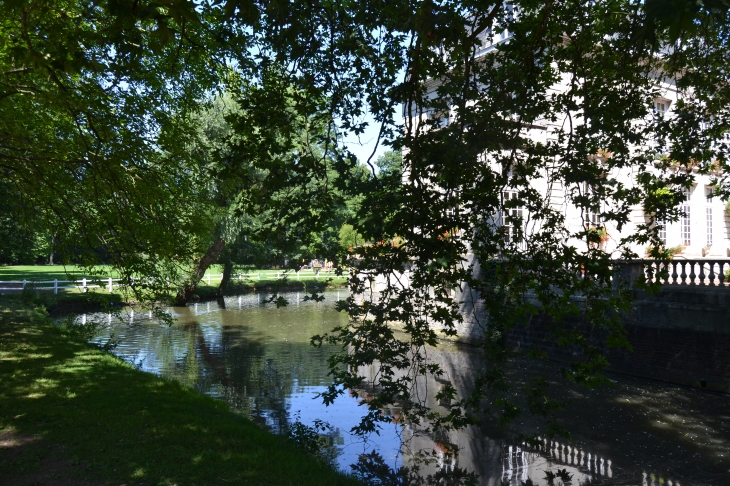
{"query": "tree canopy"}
[(97, 133), (91, 101)]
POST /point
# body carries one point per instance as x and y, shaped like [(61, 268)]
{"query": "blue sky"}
[(362, 146)]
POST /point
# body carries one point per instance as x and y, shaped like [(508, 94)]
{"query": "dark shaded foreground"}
[(73, 414), (625, 433)]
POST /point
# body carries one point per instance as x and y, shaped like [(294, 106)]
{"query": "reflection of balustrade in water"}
[(515, 464), (585, 461), (650, 479), (520, 463)]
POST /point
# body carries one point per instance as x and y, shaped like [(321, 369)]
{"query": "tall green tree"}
[(94, 103), (273, 182), (20, 241), (91, 103), (469, 112)]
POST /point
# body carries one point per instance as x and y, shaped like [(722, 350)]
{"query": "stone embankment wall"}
[(681, 335)]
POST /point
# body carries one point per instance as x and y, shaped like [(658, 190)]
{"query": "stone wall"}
[(681, 335)]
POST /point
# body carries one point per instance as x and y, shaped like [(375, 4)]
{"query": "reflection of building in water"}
[(452, 453), (496, 462), (441, 451)]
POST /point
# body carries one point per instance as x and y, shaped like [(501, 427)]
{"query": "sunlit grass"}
[(50, 272), (109, 423), (96, 295)]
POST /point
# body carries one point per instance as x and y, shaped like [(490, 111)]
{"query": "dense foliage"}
[(90, 101), (96, 110)]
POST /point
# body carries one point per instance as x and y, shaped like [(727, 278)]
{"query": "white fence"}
[(108, 283), (82, 285), (274, 275)]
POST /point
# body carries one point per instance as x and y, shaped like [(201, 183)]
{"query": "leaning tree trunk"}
[(185, 294), (227, 271)]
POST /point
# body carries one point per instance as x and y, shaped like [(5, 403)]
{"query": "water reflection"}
[(522, 462), (258, 359)]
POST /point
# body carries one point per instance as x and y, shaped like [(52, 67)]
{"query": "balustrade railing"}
[(688, 273)]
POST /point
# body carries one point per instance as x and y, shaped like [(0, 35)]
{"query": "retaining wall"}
[(681, 335)]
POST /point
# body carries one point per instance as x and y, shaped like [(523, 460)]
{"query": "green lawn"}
[(44, 272), (71, 298), (72, 414), (254, 279), (51, 272)]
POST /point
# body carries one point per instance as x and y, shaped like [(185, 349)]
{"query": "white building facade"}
[(702, 231)]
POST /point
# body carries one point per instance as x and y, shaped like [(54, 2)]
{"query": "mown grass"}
[(48, 272), (97, 297), (73, 414), (250, 280)]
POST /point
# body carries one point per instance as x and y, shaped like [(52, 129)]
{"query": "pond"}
[(258, 359)]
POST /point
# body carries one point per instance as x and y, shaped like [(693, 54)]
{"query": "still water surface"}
[(258, 359)]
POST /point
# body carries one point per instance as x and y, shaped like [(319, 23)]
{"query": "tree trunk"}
[(50, 257), (227, 271), (184, 294)]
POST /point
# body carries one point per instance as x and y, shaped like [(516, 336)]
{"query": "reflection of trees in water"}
[(372, 469), (254, 368), (253, 375), (164, 350), (245, 376), (321, 438), (256, 365)]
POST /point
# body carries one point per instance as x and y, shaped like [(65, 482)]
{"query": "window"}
[(662, 231), (661, 107), (512, 218), (708, 212), (709, 195), (590, 217), (441, 118), (687, 193), (686, 228), (593, 219)]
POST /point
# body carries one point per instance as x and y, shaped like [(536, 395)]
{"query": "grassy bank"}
[(97, 298), (251, 278), (72, 414)]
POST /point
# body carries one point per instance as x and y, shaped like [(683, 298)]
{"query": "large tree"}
[(92, 104), (97, 90), (470, 107), (271, 175)]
